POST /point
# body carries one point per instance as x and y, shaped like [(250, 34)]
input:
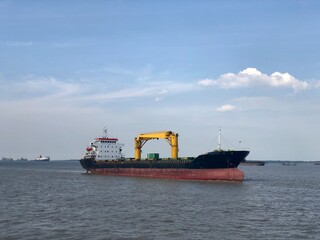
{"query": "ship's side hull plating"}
[(228, 174)]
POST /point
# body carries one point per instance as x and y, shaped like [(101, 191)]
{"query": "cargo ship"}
[(104, 156)]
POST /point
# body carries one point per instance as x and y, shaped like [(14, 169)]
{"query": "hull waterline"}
[(230, 174)]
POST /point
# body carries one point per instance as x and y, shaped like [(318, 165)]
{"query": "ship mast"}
[(219, 138)]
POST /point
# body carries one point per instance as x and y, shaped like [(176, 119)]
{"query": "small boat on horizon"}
[(289, 164), (42, 158), (252, 163)]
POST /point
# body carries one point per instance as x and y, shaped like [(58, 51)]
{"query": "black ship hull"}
[(211, 160)]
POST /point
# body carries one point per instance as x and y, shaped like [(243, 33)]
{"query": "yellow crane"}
[(169, 136)]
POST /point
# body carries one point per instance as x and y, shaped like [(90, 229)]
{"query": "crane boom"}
[(169, 136)]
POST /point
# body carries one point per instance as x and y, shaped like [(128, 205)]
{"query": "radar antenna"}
[(105, 131)]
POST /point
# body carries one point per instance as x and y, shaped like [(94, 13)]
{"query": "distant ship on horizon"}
[(42, 158)]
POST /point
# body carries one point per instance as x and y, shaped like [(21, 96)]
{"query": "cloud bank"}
[(51, 88), (251, 77), (93, 91)]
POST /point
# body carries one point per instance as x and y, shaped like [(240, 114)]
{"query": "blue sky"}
[(70, 68)]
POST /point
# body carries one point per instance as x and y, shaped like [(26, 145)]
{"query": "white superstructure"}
[(104, 148)]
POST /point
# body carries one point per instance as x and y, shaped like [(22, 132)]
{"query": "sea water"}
[(58, 200)]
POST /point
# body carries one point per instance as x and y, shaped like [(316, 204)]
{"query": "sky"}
[(70, 68)]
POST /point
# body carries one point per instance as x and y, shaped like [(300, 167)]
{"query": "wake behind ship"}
[(104, 156)]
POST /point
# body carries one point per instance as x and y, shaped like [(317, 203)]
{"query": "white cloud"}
[(207, 82), (156, 90), (52, 89), (46, 86), (253, 77), (161, 95), (226, 108), (125, 94)]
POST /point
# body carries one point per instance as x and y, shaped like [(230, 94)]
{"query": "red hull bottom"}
[(228, 174)]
